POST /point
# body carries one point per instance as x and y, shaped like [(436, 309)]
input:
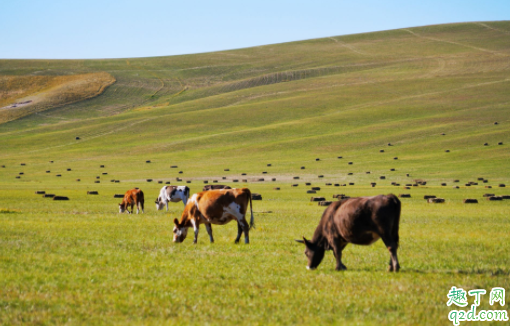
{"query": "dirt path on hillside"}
[(347, 46), (494, 29), (456, 43)]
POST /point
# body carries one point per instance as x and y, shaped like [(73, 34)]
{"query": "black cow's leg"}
[(338, 247), (209, 231), (392, 245), (239, 232)]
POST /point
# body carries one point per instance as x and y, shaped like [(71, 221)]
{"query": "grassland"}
[(79, 262)]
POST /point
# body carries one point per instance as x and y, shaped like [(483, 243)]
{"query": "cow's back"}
[(134, 196), (354, 216), (212, 202)]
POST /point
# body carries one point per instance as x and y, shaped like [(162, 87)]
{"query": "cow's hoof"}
[(236, 242), (341, 268), (391, 269)]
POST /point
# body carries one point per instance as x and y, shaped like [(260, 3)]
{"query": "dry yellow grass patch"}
[(46, 92)]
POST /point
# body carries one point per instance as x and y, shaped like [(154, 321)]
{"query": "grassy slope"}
[(345, 96), (283, 104)]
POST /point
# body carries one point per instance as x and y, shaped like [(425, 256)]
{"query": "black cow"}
[(361, 221), (214, 187)]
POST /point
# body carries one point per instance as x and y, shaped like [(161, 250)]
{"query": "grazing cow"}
[(131, 198), (213, 187), (361, 221), (172, 194), (215, 207)]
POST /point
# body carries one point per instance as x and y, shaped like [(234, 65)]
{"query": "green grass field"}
[(80, 262)]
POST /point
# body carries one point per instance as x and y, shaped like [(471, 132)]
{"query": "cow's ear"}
[(176, 222), (309, 244), (300, 241)]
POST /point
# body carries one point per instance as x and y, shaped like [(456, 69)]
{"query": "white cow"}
[(172, 194)]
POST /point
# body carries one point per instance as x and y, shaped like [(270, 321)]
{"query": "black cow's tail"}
[(396, 223)]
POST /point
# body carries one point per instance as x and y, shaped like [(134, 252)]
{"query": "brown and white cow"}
[(361, 221), (131, 198), (172, 194), (215, 207), (213, 187)]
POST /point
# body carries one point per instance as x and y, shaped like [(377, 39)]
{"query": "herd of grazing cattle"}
[(361, 220)]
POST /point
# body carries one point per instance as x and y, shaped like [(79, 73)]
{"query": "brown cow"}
[(215, 207), (361, 221), (213, 187), (131, 198)]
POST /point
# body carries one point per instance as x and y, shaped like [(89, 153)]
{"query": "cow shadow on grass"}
[(475, 271)]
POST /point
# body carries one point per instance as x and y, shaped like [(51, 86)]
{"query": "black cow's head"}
[(313, 252)]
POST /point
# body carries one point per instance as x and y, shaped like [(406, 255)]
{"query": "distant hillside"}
[(24, 95), (340, 96)]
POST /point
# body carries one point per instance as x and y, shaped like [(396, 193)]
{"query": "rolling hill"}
[(287, 104)]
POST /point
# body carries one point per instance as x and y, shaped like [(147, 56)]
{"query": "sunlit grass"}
[(82, 260)]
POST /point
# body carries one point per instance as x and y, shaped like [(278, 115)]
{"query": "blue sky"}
[(57, 29)]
